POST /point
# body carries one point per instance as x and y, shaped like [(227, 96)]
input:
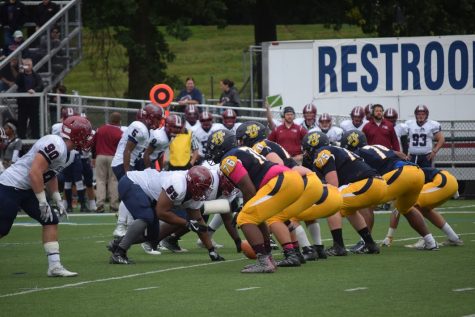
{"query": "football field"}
[(398, 282)]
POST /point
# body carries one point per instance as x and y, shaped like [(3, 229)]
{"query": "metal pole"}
[(251, 75), (42, 114)]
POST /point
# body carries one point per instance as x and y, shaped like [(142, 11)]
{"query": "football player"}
[(422, 134), (404, 180), (267, 189), (229, 120), (140, 190), (401, 129), (309, 120), (131, 145), (326, 126), (357, 121), (22, 185), (204, 131), (360, 187), (192, 114)]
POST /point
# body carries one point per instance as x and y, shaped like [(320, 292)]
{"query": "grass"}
[(398, 282), (211, 54)]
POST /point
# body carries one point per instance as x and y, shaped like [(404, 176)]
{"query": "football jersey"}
[(301, 121), (153, 182), (52, 148), (233, 129), (265, 147), (334, 134), (159, 141), (202, 136), (378, 157), (192, 128), (137, 133), (422, 137), (56, 128), (347, 125), (349, 166)]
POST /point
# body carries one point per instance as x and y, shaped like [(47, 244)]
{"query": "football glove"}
[(195, 226), (46, 213)]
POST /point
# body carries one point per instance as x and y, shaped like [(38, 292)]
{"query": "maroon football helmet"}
[(225, 185), (192, 114), (199, 182), (310, 112), (367, 111), (79, 130), (174, 125), (325, 122), (151, 116), (391, 115), (229, 118), (67, 112), (424, 110), (206, 120)]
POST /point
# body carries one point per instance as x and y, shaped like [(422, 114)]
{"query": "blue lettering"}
[(326, 69), (369, 67), (454, 47), (388, 50), (439, 78), (410, 66), (347, 68)]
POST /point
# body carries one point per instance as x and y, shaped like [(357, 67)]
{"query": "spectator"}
[(107, 139), (229, 96), (379, 130), (59, 59), (44, 12), (17, 41), (422, 134), (12, 18), (189, 95), (289, 135), (9, 74), (28, 107), (13, 146)]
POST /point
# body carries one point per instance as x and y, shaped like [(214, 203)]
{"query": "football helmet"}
[(219, 142), (67, 112), (151, 116), (191, 114), (199, 182), (251, 132), (310, 112), (229, 118), (367, 111), (3, 135), (225, 185), (174, 125), (79, 130), (206, 120), (357, 115), (353, 139), (311, 142), (423, 109), (391, 115), (325, 122)]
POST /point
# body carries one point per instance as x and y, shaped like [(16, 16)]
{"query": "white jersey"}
[(202, 136), (334, 134), (401, 129), (301, 121), (52, 148), (192, 128), (233, 129), (173, 183), (138, 133), (422, 137), (347, 125), (56, 128), (159, 141)]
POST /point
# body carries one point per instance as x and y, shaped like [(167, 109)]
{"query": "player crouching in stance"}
[(140, 191), (22, 185), (267, 189)]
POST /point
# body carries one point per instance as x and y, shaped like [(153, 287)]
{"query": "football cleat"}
[(171, 243), (309, 254), (336, 250), (451, 243), (300, 256), (120, 230), (369, 248), (358, 247), (273, 244), (387, 241), (147, 247), (113, 244), (290, 259), (200, 244), (320, 249), (60, 271), (119, 258), (264, 265), (418, 245), (428, 247)]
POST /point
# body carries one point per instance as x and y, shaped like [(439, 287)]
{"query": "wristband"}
[(41, 196)]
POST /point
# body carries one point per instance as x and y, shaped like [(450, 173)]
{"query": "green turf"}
[(209, 53), (398, 282)]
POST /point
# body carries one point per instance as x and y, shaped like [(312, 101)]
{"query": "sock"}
[(259, 249), (366, 235), (391, 232), (135, 234), (302, 237), (68, 192), (52, 252), (216, 222), (315, 233), (82, 196), (122, 214), (337, 235), (92, 204), (267, 247), (447, 229), (429, 239)]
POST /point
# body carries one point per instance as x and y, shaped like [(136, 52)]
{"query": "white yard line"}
[(247, 288), (463, 289), (356, 289), (35, 290), (145, 288)]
